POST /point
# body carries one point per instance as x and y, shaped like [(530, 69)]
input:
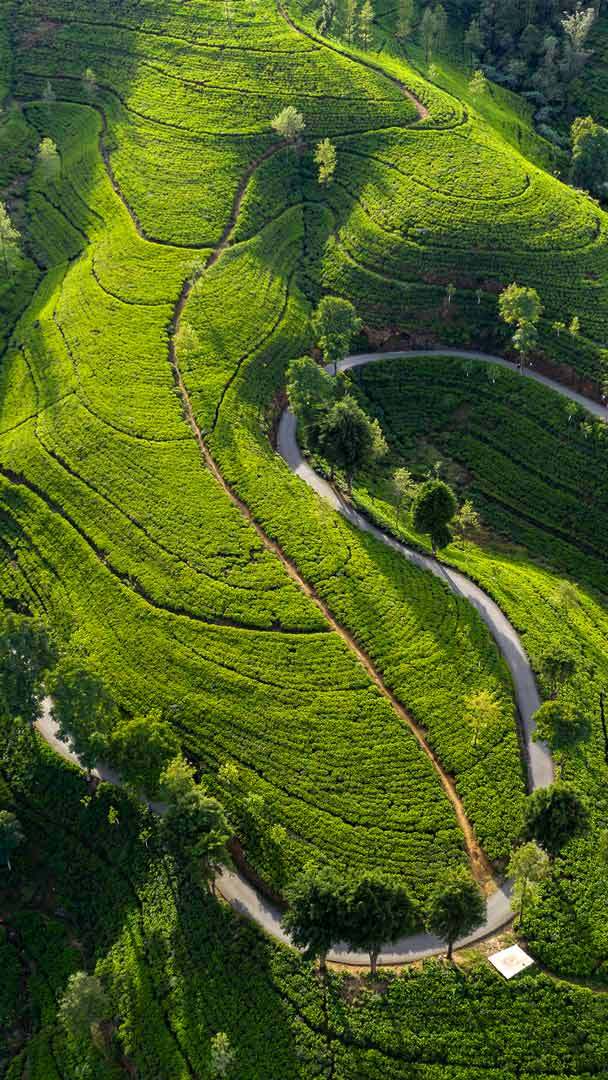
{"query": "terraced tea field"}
[(172, 262)]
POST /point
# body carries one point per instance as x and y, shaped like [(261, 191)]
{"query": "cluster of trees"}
[(350, 22), (371, 909), (289, 125), (538, 48)]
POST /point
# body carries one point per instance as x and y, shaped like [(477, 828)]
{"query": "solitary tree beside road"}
[(456, 908), (334, 324)]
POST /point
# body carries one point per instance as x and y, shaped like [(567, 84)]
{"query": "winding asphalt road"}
[(239, 893)]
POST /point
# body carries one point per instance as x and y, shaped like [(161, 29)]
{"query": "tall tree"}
[(379, 909), (560, 724), (326, 159), (334, 324), (346, 437), (589, 165), (405, 19), (456, 908), (83, 709), (528, 866), (366, 19), (223, 1055), (9, 241), (84, 1005), (553, 815), (434, 508), (315, 916), (196, 823), (26, 654), (427, 33), (311, 394), (466, 523), (405, 489), (141, 748), (521, 307), (556, 666), (351, 20), (11, 835), (289, 124)]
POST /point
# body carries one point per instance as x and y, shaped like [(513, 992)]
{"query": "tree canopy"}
[(83, 710), (315, 916), (289, 123), (589, 164), (378, 910), (553, 815), (335, 323), (26, 654), (456, 907), (141, 748), (560, 724), (434, 508), (11, 835), (346, 436), (84, 1005)]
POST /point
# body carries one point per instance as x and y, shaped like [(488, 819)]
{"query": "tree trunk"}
[(450, 949), (373, 961), (323, 965)]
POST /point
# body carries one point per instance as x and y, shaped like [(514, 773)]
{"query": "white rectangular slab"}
[(511, 961)]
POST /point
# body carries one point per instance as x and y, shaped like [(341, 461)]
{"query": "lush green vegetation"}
[(178, 967), (533, 466), (168, 263)]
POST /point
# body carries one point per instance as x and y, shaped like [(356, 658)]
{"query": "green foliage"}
[(433, 509), (289, 123), (315, 915), (25, 656), (346, 437), (11, 835), (377, 910), (528, 866), (141, 748), (560, 724), (326, 158), (335, 323), (456, 907), (83, 1005), (589, 166), (554, 815), (83, 709)]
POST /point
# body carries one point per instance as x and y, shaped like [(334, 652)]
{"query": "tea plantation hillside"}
[(179, 967), (172, 247)]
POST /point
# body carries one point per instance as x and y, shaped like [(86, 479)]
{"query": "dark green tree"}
[(311, 393), (554, 814), (198, 825), (560, 724), (434, 507), (83, 709), (346, 437), (589, 166), (141, 748), (456, 908), (315, 916), (26, 654), (379, 909), (556, 665), (334, 324)]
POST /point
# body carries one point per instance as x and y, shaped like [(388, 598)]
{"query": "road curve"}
[(240, 893)]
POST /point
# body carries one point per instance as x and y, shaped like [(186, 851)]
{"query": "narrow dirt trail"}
[(480, 865)]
